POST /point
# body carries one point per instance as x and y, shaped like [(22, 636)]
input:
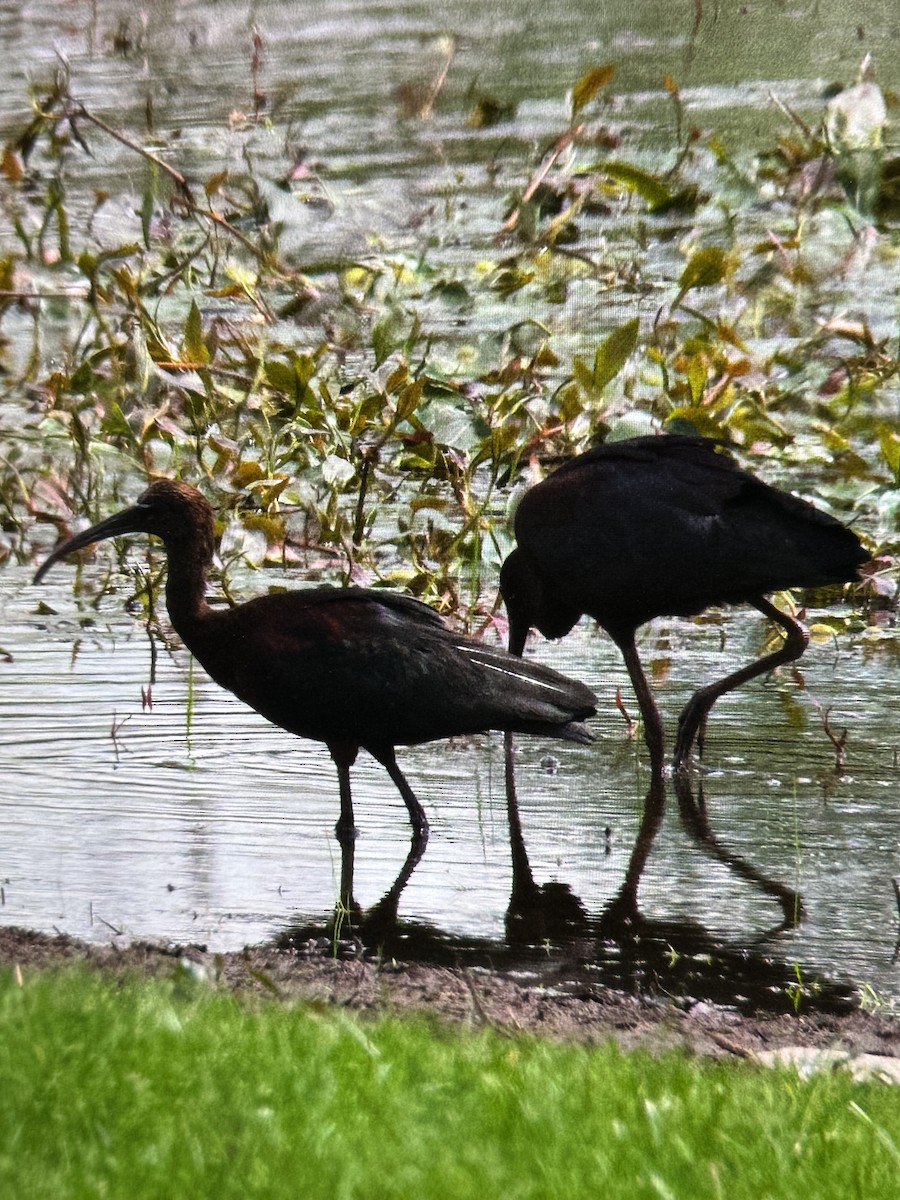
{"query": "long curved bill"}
[(129, 520)]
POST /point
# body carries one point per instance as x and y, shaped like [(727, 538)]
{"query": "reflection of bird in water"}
[(352, 668), (536, 912), (692, 811), (665, 526), (550, 932)]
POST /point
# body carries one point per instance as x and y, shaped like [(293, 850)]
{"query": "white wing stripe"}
[(475, 653)]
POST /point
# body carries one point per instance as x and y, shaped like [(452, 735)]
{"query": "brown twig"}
[(838, 740), (561, 144), (76, 108), (440, 79), (629, 720)]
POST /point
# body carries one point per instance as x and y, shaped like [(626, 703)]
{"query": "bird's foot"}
[(691, 729)]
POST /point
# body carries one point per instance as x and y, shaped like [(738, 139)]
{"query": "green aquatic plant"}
[(367, 415)]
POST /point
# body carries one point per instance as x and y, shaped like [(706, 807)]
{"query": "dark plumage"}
[(353, 668), (665, 526)]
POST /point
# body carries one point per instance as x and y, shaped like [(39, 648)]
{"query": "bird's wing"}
[(326, 596), (348, 665)]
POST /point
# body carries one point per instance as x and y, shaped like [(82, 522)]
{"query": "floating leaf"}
[(242, 541), (511, 279), (589, 85), (488, 111), (452, 425), (647, 186), (336, 471)]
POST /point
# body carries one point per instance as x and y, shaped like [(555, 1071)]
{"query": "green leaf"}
[(582, 373), (570, 399), (282, 377), (613, 352), (82, 378), (705, 268), (890, 451), (144, 367), (194, 346), (387, 334), (410, 399), (115, 424), (697, 373)]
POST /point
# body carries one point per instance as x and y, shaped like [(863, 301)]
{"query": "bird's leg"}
[(417, 817), (625, 905), (523, 885), (694, 714), (344, 757), (346, 906), (653, 726)]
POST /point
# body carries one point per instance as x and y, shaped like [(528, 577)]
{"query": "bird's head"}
[(530, 603), (173, 511)]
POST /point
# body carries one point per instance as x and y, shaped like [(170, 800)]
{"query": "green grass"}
[(170, 1090)]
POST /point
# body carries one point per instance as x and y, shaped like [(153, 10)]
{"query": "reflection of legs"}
[(692, 722), (693, 817), (344, 757), (653, 726), (523, 885), (536, 913), (384, 913), (625, 906), (346, 904)]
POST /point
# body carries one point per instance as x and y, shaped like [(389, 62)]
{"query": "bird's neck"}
[(186, 594)]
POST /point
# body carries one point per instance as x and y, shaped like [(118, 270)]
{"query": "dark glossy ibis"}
[(665, 526), (351, 667)]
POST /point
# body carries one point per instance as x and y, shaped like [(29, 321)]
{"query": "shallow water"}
[(194, 819), (216, 827)]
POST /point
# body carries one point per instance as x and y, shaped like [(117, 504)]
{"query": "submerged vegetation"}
[(179, 330)]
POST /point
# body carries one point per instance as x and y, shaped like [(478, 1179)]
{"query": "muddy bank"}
[(477, 997)]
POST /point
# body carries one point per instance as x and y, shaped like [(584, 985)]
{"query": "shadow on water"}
[(552, 938)]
